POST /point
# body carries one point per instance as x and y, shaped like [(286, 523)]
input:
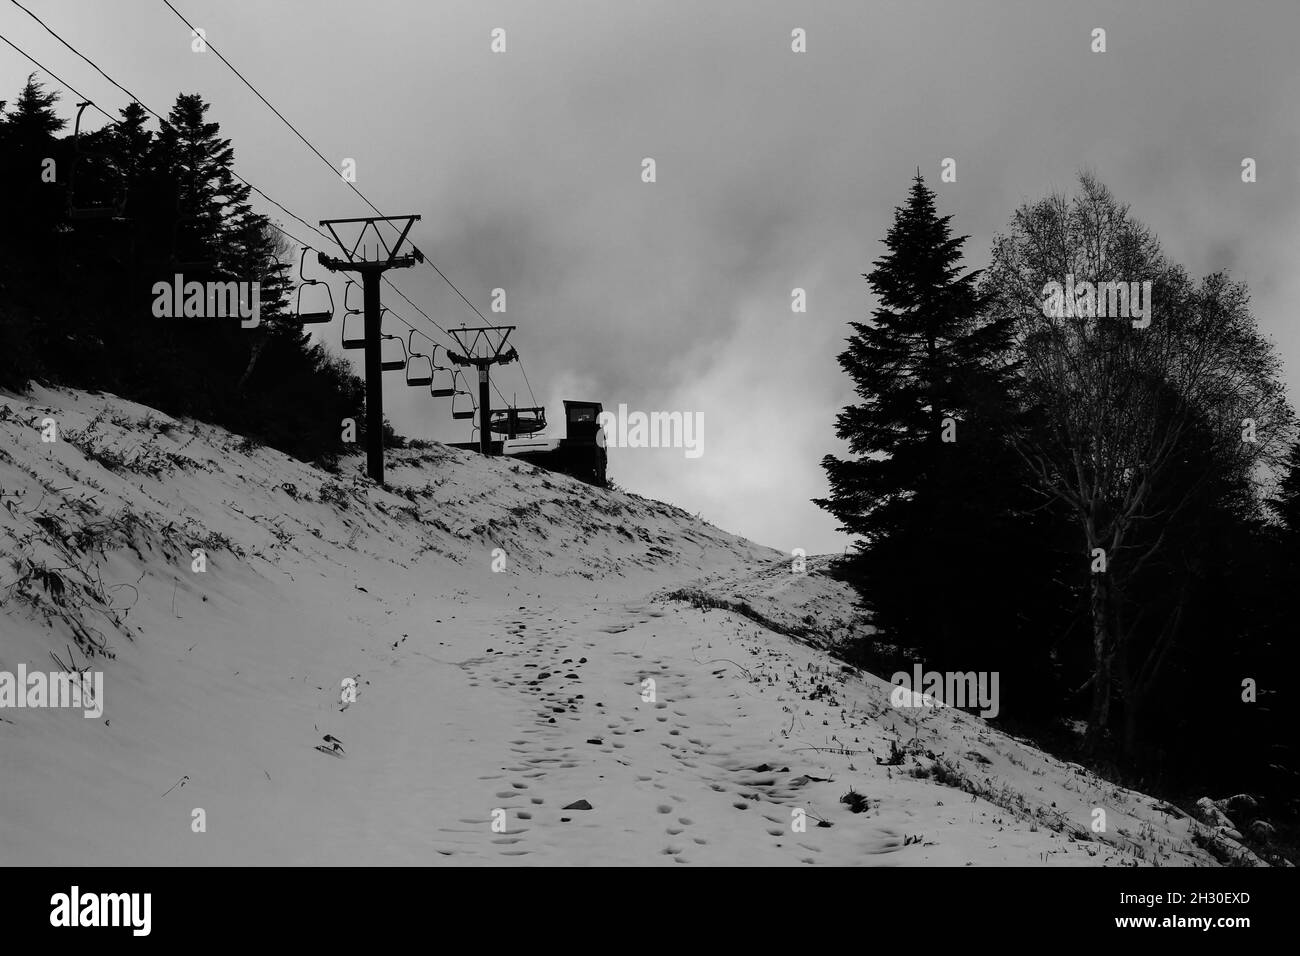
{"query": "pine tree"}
[(924, 490), (33, 206), (76, 297), (201, 163), (27, 144), (33, 122), (129, 143)]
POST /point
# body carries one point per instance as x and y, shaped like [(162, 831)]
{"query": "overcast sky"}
[(775, 170)]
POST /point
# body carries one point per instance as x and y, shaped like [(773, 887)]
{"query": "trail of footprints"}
[(537, 658)]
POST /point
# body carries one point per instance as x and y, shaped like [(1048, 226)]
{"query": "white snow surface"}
[(478, 691)]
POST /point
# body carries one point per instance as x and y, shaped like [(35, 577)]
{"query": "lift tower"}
[(372, 273), (499, 356)]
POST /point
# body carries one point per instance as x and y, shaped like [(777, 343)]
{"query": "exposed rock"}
[(1262, 830), (1242, 806), (1212, 815)]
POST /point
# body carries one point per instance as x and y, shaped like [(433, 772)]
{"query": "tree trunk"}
[(1101, 660), (1129, 694), (1137, 682)]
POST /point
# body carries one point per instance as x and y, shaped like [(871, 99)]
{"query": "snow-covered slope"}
[(524, 691)]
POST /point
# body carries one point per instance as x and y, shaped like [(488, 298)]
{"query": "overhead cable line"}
[(46, 69), (351, 185), (145, 106)]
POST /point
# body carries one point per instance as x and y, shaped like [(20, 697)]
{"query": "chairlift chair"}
[(176, 262), (311, 318), (415, 371), (390, 364), (354, 341), (461, 415), (348, 287), (272, 269), (186, 265), (451, 373), (111, 212)]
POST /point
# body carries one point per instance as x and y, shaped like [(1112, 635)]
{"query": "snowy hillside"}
[(477, 691)]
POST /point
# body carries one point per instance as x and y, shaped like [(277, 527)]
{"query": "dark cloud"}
[(775, 170)]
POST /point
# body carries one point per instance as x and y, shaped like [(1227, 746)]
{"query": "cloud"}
[(775, 170)]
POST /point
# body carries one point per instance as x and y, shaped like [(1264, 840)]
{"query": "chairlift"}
[(393, 364), (390, 364), (112, 212), (348, 287), (354, 341), (272, 269), (186, 265), (311, 318), (461, 415), (451, 373), (415, 371)]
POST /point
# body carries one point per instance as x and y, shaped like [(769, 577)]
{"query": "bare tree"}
[(1118, 380)]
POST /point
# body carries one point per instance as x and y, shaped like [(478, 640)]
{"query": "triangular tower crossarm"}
[(468, 355), (469, 346), (372, 273), (393, 259)]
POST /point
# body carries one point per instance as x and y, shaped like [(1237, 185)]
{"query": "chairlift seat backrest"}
[(352, 338), (186, 265), (455, 412), (391, 364), (314, 317), (456, 392), (415, 371), (348, 287), (440, 392), (112, 212), (419, 373)]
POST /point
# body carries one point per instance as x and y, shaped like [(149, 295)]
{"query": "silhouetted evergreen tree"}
[(933, 490), (28, 147), (33, 212), (32, 122), (76, 296)]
